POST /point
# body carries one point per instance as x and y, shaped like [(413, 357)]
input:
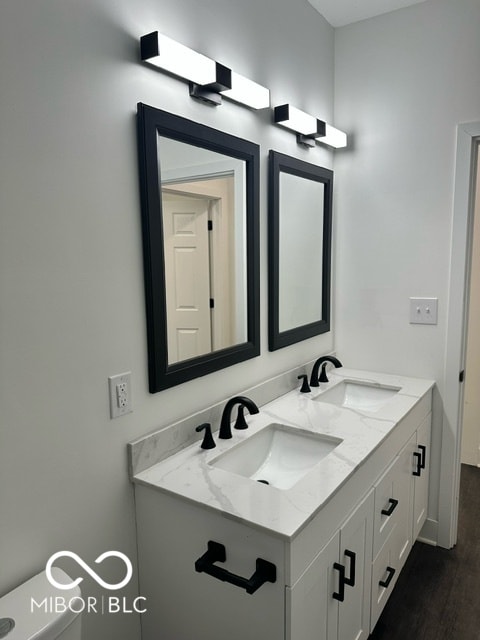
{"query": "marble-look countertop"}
[(188, 475)]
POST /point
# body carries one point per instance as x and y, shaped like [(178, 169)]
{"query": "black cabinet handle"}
[(418, 460), (423, 450), (340, 594), (386, 583), (343, 580), (391, 508), (264, 572)]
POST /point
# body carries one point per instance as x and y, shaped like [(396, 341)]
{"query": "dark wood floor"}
[(437, 596)]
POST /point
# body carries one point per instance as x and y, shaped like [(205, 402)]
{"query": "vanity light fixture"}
[(295, 120), (309, 129), (334, 137), (209, 80), (177, 59), (247, 92), (310, 139), (210, 92), (304, 125)]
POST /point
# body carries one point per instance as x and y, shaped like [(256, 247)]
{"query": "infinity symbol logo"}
[(90, 571)]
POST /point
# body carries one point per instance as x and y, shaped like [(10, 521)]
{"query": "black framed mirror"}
[(199, 200), (300, 230)]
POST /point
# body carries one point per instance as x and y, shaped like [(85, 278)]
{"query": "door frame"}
[(468, 135)]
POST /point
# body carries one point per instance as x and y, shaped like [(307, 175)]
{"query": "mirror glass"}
[(300, 208), (204, 223), (200, 222)]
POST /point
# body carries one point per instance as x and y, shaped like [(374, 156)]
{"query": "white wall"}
[(403, 82), (71, 280)]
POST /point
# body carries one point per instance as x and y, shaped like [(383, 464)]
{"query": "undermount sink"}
[(277, 455), (363, 396)]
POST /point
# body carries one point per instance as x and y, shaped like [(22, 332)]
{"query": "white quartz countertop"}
[(189, 475)]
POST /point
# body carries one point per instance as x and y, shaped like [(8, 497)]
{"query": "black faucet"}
[(305, 388), (208, 441), (323, 360), (225, 429)]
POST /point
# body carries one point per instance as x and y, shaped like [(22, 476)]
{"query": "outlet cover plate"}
[(120, 392), (423, 310)]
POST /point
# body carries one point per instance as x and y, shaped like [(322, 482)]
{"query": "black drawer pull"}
[(423, 450), (391, 508), (265, 571), (340, 595), (386, 583), (418, 460)]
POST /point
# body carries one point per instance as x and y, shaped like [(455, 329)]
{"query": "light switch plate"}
[(120, 392), (423, 310)]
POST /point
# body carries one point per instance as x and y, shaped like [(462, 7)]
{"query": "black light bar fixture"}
[(309, 129), (209, 80)]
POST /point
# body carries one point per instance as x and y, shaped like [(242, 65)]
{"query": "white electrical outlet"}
[(120, 390), (423, 310)]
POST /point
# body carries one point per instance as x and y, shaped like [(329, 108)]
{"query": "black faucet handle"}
[(305, 388), (323, 373), (240, 422), (208, 441)]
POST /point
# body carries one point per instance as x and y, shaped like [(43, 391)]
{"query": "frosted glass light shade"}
[(176, 58), (247, 92), (334, 137), (295, 120)]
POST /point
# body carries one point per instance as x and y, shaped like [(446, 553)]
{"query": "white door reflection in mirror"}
[(204, 311), (205, 253), (187, 276)]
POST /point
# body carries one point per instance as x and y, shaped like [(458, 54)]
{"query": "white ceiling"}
[(341, 12)]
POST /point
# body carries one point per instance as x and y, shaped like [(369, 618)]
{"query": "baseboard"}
[(429, 532)]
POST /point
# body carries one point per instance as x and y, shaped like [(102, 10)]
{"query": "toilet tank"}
[(40, 611)]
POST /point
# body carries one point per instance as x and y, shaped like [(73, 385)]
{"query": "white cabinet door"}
[(405, 486), (331, 600), (421, 467), (356, 557), (311, 612)]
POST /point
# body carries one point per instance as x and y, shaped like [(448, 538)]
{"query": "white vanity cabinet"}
[(333, 571)]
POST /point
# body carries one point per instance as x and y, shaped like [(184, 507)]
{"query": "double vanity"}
[(297, 527)]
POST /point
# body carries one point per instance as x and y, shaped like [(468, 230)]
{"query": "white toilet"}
[(20, 619)]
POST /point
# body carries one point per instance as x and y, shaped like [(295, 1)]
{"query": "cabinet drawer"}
[(387, 506), (394, 495), (385, 572)]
